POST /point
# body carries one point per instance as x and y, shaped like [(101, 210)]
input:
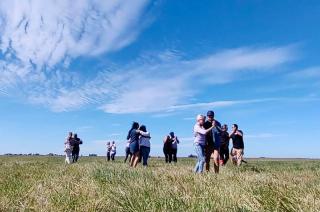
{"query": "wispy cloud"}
[(39, 37), (166, 84), (307, 73), (263, 135)]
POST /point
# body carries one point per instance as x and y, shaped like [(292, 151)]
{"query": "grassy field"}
[(46, 184)]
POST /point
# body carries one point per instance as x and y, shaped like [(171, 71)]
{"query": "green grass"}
[(46, 184)]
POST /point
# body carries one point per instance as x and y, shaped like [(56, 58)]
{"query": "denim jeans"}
[(145, 151), (201, 158)]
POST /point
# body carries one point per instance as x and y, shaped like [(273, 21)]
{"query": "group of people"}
[(72, 148), (111, 150), (211, 140), (170, 147), (138, 144)]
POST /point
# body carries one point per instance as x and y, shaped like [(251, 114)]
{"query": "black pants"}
[(224, 154), (112, 156), (108, 156), (167, 155), (174, 155), (128, 153), (75, 154)]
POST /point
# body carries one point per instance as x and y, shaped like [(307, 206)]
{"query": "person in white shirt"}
[(68, 148), (113, 150), (108, 151), (199, 142), (144, 143)]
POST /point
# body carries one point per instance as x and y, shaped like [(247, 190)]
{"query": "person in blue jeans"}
[(199, 142), (144, 142)]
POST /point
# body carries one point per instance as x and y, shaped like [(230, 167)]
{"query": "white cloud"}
[(308, 73), (38, 37), (264, 135), (160, 85), (165, 85)]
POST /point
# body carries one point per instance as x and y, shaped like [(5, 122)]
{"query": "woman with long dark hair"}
[(133, 136)]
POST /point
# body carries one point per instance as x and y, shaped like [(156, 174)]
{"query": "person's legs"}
[(201, 158), (174, 155), (136, 159), (216, 160), (145, 154), (208, 153), (165, 152), (127, 155), (226, 156), (239, 156), (222, 155), (68, 157), (108, 156), (234, 156), (77, 154), (170, 155)]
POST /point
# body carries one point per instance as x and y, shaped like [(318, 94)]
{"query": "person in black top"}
[(167, 148), (212, 146), (224, 147), (238, 145), (76, 148)]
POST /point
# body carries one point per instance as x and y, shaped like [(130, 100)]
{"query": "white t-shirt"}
[(113, 148)]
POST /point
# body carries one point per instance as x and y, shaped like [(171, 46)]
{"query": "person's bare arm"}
[(239, 133), (204, 131)]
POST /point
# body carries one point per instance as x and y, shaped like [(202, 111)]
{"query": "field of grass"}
[(46, 184)]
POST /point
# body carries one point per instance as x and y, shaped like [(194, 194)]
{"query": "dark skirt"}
[(134, 147)]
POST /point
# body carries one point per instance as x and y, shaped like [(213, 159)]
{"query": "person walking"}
[(212, 146), (133, 136), (224, 148), (144, 142), (199, 142), (108, 151), (174, 146), (238, 145), (127, 151), (167, 148), (76, 148), (113, 151), (68, 148)]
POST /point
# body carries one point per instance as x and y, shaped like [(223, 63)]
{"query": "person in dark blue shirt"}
[(212, 145)]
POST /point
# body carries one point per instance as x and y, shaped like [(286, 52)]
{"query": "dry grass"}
[(46, 184)]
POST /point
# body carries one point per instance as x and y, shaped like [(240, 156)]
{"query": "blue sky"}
[(94, 67)]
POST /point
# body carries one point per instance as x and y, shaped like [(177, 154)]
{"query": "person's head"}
[(200, 119), (108, 143), (135, 125), (234, 127), (70, 134), (210, 115), (113, 142), (143, 128), (224, 127), (75, 135), (171, 134)]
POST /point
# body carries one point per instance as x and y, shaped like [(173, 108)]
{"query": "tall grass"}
[(46, 184)]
